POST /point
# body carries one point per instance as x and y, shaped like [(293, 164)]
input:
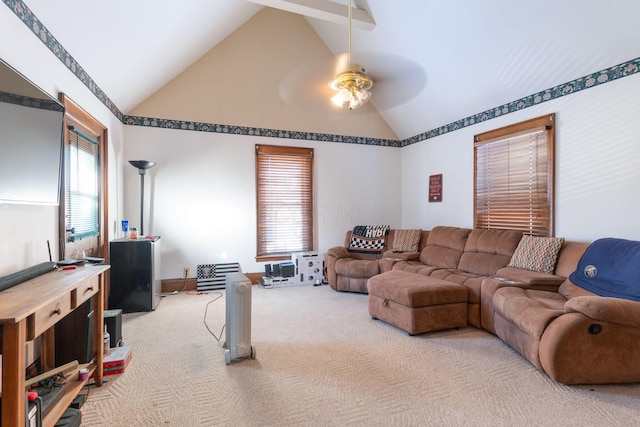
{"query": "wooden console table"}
[(31, 309)]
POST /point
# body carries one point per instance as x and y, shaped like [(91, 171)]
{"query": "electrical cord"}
[(206, 309), (86, 392), (184, 287)]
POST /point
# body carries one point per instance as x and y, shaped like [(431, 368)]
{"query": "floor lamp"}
[(142, 166)]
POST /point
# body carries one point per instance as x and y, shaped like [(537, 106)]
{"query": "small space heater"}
[(238, 318)]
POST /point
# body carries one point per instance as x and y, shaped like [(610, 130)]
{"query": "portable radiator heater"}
[(238, 317)]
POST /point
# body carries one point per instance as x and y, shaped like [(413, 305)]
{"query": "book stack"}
[(117, 361)]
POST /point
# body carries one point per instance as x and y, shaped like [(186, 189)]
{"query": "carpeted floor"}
[(322, 361)]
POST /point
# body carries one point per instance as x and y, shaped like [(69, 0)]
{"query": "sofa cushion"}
[(414, 267), (357, 268), (537, 253), (569, 290), (486, 251), (444, 246), (406, 240), (529, 310), (569, 256)]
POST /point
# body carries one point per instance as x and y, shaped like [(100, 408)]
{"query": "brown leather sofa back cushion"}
[(569, 290), (487, 251), (568, 257), (423, 239), (444, 246)]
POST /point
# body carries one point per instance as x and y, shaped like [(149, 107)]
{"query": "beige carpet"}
[(322, 361)]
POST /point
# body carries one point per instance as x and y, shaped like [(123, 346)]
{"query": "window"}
[(514, 177), (82, 186), (284, 189), (83, 208)]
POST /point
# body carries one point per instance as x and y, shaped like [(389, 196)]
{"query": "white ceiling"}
[(469, 55)]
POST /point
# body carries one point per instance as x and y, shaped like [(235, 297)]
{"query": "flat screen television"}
[(31, 141)]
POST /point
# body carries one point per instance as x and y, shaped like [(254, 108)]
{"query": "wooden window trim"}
[(546, 123), (78, 117), (307, 221), (84, 150)]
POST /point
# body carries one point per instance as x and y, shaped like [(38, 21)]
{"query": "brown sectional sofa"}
[(465, 257), (349, 271), (571, 334)]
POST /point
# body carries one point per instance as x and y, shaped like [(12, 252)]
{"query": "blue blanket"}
[(610, 268)]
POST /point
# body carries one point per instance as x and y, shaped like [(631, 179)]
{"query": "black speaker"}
[(267, 270), (113, 320), (276, 270), (287, 269)]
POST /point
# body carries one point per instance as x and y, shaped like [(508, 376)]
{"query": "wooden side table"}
[(31, 310)]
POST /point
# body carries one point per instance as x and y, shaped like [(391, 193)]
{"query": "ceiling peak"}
[(322, 9)]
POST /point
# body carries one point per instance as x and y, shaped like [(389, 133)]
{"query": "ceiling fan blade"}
[(396, 80), (307, 85)]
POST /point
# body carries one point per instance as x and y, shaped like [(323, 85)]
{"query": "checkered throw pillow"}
[(368, 239)]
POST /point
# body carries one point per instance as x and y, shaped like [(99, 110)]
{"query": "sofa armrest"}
[(606, 309), (390, 258), (401, 256), (338, 252), (529, 277)]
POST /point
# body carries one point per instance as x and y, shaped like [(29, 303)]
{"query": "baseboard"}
[(170, 285), (254, 277)]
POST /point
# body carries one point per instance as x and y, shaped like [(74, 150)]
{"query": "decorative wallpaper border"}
[(592, 80), (263, 132), (604, 76), (30, 20), (26, 101)]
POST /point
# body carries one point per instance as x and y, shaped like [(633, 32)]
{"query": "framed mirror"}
[(31, 141)]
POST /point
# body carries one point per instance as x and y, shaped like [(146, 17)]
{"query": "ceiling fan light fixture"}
[(352, 87), (352, 84), (343, 96)]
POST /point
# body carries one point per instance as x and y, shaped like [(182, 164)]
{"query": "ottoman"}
[(417, 303)]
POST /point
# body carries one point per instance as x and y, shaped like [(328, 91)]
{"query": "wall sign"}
[(435, 188)]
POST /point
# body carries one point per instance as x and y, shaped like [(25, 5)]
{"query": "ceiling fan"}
[(352, 85), (388, 80)]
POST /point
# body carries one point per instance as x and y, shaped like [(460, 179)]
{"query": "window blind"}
[(82, 186), (284, 189), (514, 178)]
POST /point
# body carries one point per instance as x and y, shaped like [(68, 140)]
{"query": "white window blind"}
[(82, 186), (284, 187), (514, 178)]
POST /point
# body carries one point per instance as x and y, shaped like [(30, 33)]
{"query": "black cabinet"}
[(134, 279)]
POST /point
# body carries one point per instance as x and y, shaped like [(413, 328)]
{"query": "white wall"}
[(597, 165), (202, 192), (200, 197), (25, 229)]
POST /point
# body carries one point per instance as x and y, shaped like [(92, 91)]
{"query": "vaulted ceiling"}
[(435, 61)]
